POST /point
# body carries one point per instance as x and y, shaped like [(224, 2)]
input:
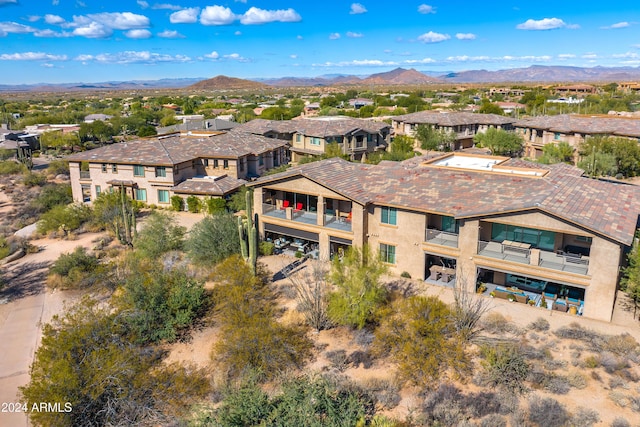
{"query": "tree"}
[(630, 282), (434, 139), (86, 361), (421, 339), (561, 152), (237, 201), (160, 234), (116, 212), (488, 107), (312, 295), (147, 130), (500, 142), (359, 292), (598, 164), (504, 366), (213, 239)]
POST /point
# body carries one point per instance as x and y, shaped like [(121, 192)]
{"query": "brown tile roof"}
[(570, 123), (211, 186), (453, 118), (322, 127), (172, 150), (263, 126), (606, 208)]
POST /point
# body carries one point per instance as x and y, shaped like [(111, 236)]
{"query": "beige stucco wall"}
[(604, 268)]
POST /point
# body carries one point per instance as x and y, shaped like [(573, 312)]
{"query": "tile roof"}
[(607, 208), (210, 185), (174, 149), (263, 126), (570, 123), (453, 118), (319, 127)]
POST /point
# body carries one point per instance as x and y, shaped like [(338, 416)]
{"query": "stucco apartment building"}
[(573, 129), (511, 223), (152, 170), (310, 136), (464, 125)]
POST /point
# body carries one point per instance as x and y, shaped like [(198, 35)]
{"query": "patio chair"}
[(298, 207), (285, 204), (435, 275), (560, 305)]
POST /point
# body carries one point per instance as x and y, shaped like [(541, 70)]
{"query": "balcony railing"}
[(548, 259), (85, 175), (442, 238), (271, 210), (336, 222), (306, 217)]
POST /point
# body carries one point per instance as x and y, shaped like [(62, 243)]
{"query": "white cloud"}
[(630, 55), (236, 57), (432, 37), (33, 18), (121, 20), (589, 55), (143, 4), (420, 61), (260, 16), (293, 56), (466, 36), (185, 16), (213, 55), (3, 2), (132, 57), (138, 34), (334, 36), (166, 6), (237, 33), (359, 63), (617, 25), (170, 34), (299, 37), (55, 2), (357, 9), (217, 15), (542, 24), (564, 56), (51, 33), (53, 19), (425, 9), (14, 27), (47, 65), (32, 56), (354, 35), (94, 30)]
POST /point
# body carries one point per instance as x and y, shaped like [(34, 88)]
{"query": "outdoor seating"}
[(285, 204), (298, 207), (435, 275), (560, 305)]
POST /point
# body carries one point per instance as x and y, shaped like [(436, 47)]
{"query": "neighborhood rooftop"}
[(452, 118), (572, 123)]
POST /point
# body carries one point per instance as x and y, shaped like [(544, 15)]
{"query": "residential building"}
[(464, 125), (154, 169), (311, 136), (573, 129), (541, 228)]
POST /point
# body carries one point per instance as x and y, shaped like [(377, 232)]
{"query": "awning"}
[(306, 235), (333, 239), (122, 183)]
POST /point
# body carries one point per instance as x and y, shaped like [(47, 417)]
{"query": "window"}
[(86, 192), (261, 160), (450, 225), (225, 164), (161, 171), (585, 239), (241, 165), (359, 141), (163, 196), (369, 137), (298, 137), (556, 136), (315, 141), (205, 162), (540, 239), (138, 170), (389, 215), (104, 168), (141, 194), (114, 168), (98, 190), (215, 163), (388, 253)]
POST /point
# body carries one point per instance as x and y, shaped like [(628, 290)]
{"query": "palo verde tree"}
[(500, 142), (213, 239), (434, 139), (359, 293), (561, 152), (160, 234), (630, 282), (117, 213)]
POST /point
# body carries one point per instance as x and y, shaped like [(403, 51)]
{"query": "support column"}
[(320, 209)]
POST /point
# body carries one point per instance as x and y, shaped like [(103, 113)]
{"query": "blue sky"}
[(60, 41)]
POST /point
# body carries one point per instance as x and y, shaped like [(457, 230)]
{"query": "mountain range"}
[(398, 77)]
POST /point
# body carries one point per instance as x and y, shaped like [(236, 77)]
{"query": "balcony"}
[(524, 254), (337, 222), (271, 210), (306, 217), (85, 175), (442, 238)]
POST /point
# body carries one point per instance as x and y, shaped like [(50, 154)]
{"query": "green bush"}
[(213, 239), (53, 195), (5, 250), (177, 203), (215, 205), (159, 234), (74, 270), (266, 248), (58, 167), (194, 204), (405, 275), (9, 167), (505, 366), (64, 218), (33, 179)]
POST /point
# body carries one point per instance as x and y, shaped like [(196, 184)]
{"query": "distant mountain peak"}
[(226, 83)]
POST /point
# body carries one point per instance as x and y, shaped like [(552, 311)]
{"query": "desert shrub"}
[(363, 337), (177, 203), (620, 422), (557, 384), (160, 305), (194, 204), (611, 363), (493, 420), (530, 352), (64, 218), (496, 323), (214, 205), (33, 179), (449, 406), (547, 412), (160, 234), (584, 417), (213, 239), (552, 364), (5, 250), (53, 195), (419, 336), (246, 405), (629, 375), (591, 362), (621, 345), (616, 382), (74, 268), (405, 275), (540, 324), (58, 167), (9, 167), (619, 398), (363, 358), (577, 380), (576, 331), (338, 359), (266, 248), (504, 367)]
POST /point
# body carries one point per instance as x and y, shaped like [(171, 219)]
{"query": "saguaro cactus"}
[(248, 232)]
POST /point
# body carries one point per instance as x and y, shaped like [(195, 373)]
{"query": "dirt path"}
[(25, 305)]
